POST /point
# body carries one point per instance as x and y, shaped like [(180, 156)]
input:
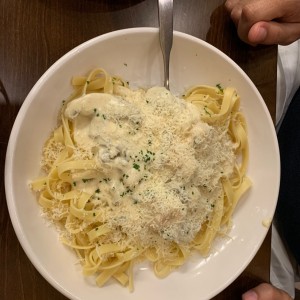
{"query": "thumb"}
[(266, 291), (269, 33)]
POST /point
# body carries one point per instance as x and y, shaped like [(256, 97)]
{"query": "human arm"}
[(266, 21)]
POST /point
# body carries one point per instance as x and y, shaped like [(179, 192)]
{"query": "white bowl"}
[(135, 55)]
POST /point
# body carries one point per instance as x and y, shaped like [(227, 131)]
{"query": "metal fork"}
[(165, 15)]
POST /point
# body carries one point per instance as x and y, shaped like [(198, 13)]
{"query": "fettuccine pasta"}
[(133, 175)]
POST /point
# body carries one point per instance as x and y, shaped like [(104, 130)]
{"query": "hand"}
[(266, 21), (266, 291)]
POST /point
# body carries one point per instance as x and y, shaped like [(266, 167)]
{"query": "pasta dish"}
[(133, 175)]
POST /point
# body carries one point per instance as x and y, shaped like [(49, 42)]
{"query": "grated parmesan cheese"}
[(161, 165)]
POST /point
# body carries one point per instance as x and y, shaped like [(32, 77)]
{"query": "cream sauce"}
[(159, 164)]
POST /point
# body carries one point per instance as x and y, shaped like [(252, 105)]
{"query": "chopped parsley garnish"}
[(205, 109), (146, 158), (128, 190), (136, 166), (84, 180), (220, 87)]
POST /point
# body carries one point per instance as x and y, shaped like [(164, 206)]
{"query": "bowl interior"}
[(135, 55)]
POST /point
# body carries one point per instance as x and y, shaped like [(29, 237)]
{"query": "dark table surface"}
[(35, 33)]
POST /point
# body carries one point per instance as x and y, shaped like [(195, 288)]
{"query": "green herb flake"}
[(136, 166), (84, 180), (220, 87), (205, 109)]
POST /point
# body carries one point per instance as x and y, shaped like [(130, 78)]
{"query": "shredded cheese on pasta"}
[(142, 174)]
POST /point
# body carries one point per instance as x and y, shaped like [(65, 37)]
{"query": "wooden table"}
[(35, 33)]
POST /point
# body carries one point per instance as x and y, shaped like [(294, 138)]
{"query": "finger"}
[(250, 295), (269, 33), (258, 10), (234, 7), (230, 4), (266, 291), (251, 12), (235, 14), (255, 10)]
